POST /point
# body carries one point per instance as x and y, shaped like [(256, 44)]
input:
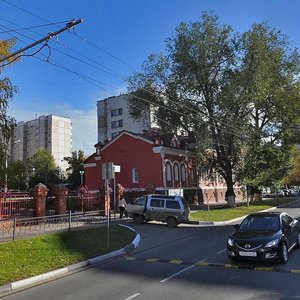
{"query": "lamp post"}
[(81, 176)]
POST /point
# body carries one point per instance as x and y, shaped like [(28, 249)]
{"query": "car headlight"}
[(230, 241), (272, 243)]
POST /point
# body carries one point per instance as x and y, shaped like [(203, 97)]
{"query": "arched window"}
[(176, 172), (168, 172), (183, 172)]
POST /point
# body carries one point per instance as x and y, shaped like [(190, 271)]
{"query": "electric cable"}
[(78, 74), (106, 52)]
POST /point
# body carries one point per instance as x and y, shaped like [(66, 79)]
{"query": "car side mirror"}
[(287, 226)]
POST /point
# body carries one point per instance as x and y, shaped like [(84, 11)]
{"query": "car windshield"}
[(260, 223), (139, 201)]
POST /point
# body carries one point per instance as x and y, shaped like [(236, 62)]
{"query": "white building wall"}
[(113, 117), (50, 132)]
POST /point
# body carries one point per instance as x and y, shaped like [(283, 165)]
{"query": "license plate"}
[(245, 253)]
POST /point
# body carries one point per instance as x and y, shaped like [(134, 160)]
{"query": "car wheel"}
[(171, 222), (138, 219), (283, 253)]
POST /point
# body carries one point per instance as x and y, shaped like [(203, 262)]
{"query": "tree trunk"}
[(230, 195)]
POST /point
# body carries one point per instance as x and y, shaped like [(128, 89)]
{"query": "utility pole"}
[(46, 38)]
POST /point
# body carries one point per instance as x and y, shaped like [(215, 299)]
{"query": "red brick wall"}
[(129, 153)]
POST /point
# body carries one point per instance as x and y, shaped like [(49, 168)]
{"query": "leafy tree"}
[(17, 173), (75, 166), (194, 88), (236, 93), (43, 168), (270, 77), (7, 123), (293, 176)]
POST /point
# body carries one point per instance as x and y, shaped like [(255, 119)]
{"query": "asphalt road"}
[(188, 262)]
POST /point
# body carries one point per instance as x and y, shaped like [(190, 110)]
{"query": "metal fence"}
[(20, 227), (15, 204)]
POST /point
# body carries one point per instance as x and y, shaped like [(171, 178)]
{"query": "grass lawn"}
[(225, 214), (33, 256)]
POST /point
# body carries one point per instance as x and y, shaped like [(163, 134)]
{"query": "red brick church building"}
[(145, 161)]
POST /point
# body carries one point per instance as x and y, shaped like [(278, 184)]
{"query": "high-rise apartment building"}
[(113, 117), (51, 132)]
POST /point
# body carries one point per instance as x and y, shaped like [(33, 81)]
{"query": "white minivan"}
[(170, 209)]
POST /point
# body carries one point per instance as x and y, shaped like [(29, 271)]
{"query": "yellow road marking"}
[(201, 263), (207, 264), (152, 260), (263, 269), (176, 261), (231, 266)]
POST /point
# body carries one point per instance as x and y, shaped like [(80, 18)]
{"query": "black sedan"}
[(264, 236)]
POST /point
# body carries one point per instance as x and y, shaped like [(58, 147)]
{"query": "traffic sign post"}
[(107, 174), (117, 169)]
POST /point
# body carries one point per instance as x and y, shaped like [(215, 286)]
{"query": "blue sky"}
[(114, 39)]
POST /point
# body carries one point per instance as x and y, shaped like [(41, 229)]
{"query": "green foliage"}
[(16, 174), (7, 91), (75, 166), (43, 169), (293, 176), (237, 93), (7, 123), (270, 70)]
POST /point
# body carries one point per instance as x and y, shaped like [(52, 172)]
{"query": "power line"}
[(32, 54), (23, 9), (46, 38), (115, 73), (32, 27), (233, 127)]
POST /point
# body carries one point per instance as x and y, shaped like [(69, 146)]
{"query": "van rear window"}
[(172, 204)]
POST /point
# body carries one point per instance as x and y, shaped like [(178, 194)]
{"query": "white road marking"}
[(133, 296), (166, 279), (222, 251)]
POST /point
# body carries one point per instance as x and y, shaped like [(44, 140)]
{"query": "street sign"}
[(107, 171), (117, 168)]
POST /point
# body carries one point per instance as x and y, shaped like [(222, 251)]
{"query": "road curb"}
[(207, 223), (63, 271)]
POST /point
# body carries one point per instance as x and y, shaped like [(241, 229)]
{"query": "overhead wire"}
[(106, 52), (233, 127), (113, 73), (32, 27)]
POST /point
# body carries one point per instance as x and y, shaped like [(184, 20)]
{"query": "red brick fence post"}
[(60, 193), (40, 192)]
